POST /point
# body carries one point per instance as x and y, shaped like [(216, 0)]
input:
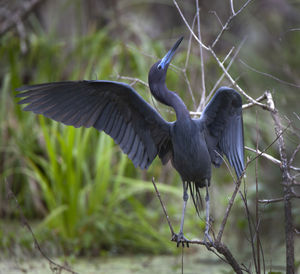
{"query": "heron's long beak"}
[(168, 57)]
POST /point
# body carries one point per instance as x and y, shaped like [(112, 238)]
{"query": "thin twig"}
[(269, 201), (187, 24), (228, 54), (18, 16), (233, 82), (133, 79), (228, 209), (265, 155), (270, 75), (227, 69), (203, 93), (294, 155), (249, 220), (184, 70), (189, 87), (232, 7), (163, 207), (266, 148), (217, 16), (259, 99), (218, 60), (256, 203), (53, 265), (225, 26)]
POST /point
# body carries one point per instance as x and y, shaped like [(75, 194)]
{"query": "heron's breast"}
[(190, 155)]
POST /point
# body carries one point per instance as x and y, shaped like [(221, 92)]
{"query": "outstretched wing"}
[(223, 122), (116, 108)]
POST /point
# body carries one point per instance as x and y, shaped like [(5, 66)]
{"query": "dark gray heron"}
[(191, 145)]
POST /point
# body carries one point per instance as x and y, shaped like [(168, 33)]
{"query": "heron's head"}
[(157, 73)]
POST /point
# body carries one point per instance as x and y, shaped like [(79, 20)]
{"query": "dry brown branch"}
[(184, 70), (221, 65), (203, 93), (294, 155), (188, 26), (233, 82), (275, 200), (256, 204), (133, 79), (244, 199), (163, 207), (55, 267), (270, 158), (227, 69), (228, 209), (15, 18), (226, 25), (259, 99), (287, 190), (265, 155)]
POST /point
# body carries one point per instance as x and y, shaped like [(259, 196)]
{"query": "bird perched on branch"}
[(191, 145)]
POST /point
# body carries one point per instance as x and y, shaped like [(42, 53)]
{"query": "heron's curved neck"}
[(170, 98)]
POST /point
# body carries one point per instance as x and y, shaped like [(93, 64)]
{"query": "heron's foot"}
[(180, 239)]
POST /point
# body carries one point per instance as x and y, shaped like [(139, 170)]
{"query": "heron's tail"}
[(196, 196)]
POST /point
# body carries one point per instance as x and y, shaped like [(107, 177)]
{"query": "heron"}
[(192, 145)]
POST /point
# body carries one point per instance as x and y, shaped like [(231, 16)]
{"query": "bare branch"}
[(55, 267), (287, 190), (163, 207), (189, 44), (228, 209), (259, 99), (235, 84), (265, 155), (294, 155), (232, 7), (134, 80), (218, 18), (225, 27), (16, 18), (244, 198), (228, 54), (257, 218), (269, 201), (189, 87), (227, 69), (188, 26), (202, 100), (265, 149), (269, 75)]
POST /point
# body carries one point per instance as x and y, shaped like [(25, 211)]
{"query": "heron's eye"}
[(159, 67)]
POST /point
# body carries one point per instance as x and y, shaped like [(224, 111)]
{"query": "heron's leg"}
[(207, 225), (180, 237), (185, 199)]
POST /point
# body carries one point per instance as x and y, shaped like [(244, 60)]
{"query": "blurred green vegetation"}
[(83, 195)]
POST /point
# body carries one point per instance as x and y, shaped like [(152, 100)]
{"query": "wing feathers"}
[(110, 106), (223, 122)]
